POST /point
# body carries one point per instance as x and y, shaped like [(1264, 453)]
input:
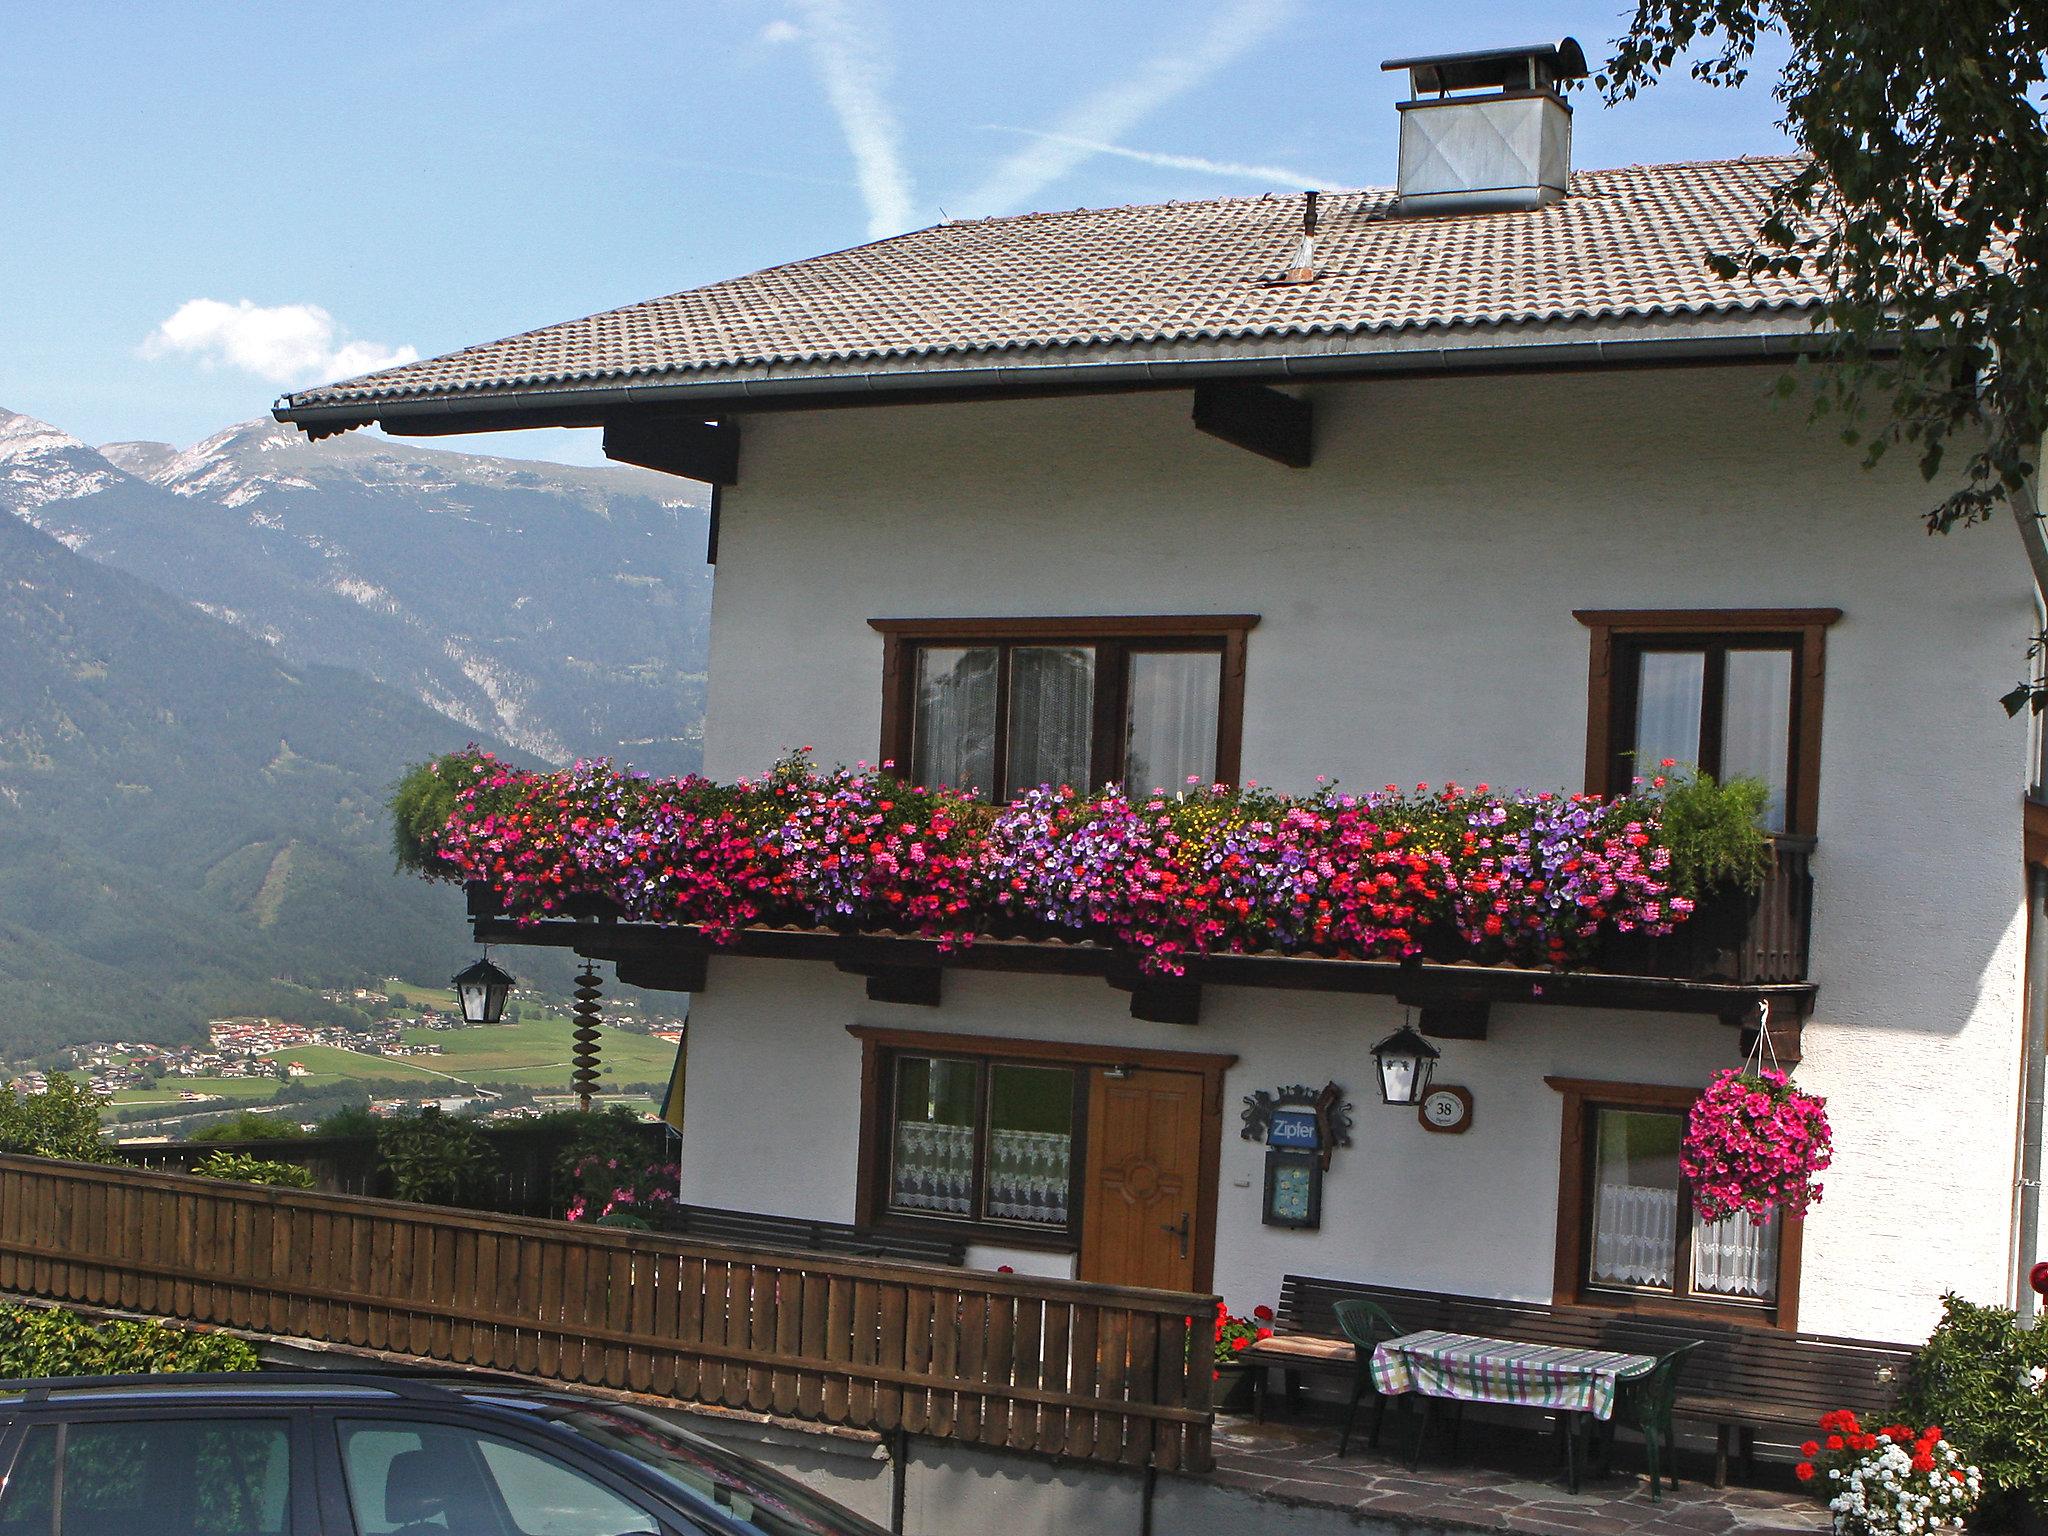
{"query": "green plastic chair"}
[(1645, 1402), (1366, 1325)]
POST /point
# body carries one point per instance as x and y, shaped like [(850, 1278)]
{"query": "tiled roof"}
[(1628, 243)]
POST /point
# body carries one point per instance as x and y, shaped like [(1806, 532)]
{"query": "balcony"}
[(1730, 958)]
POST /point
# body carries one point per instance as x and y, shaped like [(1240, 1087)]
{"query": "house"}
[(1484, 477)]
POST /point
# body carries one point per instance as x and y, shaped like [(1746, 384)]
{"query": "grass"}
[(236, 1088), (533, 1053)]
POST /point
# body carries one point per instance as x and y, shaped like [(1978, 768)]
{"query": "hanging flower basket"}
[(1755, 1144)]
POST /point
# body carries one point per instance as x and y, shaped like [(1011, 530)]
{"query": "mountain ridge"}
[(562, 608)]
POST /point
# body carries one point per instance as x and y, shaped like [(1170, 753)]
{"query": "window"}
[(421, 1479), (1627, 1231), (986, 1139), (1736, 692), (980, 1140), (190, 1476), (1002, 706)]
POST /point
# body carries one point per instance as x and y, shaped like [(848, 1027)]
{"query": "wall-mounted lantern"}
[(1405, 1061), (481, 989)]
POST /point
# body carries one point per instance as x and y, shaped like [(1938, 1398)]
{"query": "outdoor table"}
[(1468, 1368)]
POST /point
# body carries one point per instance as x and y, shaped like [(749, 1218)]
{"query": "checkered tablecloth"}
[(1480, 1370)]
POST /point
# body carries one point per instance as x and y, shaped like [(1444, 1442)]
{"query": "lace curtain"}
[(1735, 1258), (1635, 1242), (1635, 1235), (1028, 1176), (1028, 1172), (933, 1169)]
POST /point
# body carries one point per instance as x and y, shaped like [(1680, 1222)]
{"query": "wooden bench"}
[(751, 1229), (1740, 1380)]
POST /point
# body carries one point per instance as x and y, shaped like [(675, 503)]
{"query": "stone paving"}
[(1503, 1480)]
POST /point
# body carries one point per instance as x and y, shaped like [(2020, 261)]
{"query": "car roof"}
[(300, 1386)]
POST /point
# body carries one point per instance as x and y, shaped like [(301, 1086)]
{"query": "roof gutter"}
[(587, 404)]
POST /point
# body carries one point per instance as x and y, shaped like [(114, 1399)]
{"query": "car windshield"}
[(761, 1499)]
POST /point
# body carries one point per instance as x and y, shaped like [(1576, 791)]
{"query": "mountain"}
[(562, 609), (188, 823)]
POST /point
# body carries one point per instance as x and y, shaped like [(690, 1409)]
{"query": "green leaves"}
[(35, 1342), (63, 1120), (1984, 1379), (246, 1168), (436, 1159), (1929, 159)]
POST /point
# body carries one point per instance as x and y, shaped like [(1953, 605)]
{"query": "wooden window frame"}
[(1113, 638), (880, 1047), (1569, 1286), (1618, 633)]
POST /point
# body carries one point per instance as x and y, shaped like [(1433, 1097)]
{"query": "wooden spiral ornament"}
[(583, 1081)]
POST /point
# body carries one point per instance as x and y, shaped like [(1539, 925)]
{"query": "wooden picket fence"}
[(1089, 1372)]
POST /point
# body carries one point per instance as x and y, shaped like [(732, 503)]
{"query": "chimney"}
[(1489, 131)]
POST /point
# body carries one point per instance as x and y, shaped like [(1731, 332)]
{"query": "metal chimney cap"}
[(1533, 65)]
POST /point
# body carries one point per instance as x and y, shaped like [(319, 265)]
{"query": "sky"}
[(204, 204)]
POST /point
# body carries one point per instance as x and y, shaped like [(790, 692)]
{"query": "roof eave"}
[(1097, 368)]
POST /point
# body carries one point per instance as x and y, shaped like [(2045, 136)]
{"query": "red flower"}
[(1836, 1443), (1240, 1343), (1810, 1450), (1804, 1471)]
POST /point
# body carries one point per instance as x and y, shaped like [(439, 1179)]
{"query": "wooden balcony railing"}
[(1781, 931), (1096, 1373)]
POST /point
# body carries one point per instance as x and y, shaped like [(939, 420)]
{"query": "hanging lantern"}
[(1405, 1061), (481, 989), (583, 1081)]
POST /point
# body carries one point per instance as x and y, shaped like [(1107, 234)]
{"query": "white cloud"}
[(856, 72), (777, 32), (1276, 175), (1104, 117), (279, 343)]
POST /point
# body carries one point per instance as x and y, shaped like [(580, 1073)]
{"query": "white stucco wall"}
[(1416, 588)]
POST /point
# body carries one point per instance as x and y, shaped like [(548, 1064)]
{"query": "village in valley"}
[(412, 1049)]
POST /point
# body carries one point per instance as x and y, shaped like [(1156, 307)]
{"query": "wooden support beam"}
[(676, 444), (1166, 1000), (1258, 419), (1785, 1028), (919, 986), (1459, 1020), (679, 969)]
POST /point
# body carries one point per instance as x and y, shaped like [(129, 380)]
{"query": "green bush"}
[(245, 1169), (436, 1159), (349, 1120), (63, 1120), (36, 1342), (608, 1135), (1984, 1379), (421, 804), (248, 1125), (1715, 833)]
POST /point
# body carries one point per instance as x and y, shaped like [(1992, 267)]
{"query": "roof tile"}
[(1626, 243)]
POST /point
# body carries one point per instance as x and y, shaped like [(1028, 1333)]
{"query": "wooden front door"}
[(1141, 1223)]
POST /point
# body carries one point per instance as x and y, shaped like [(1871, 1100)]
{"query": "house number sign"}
[(1301, 1126), (1447, 1109)]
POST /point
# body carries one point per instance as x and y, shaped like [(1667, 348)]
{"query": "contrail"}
[(1278, 175), (856, 73), (1104, 117)]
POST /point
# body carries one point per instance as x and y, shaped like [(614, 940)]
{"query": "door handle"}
[(1178, 1229)]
